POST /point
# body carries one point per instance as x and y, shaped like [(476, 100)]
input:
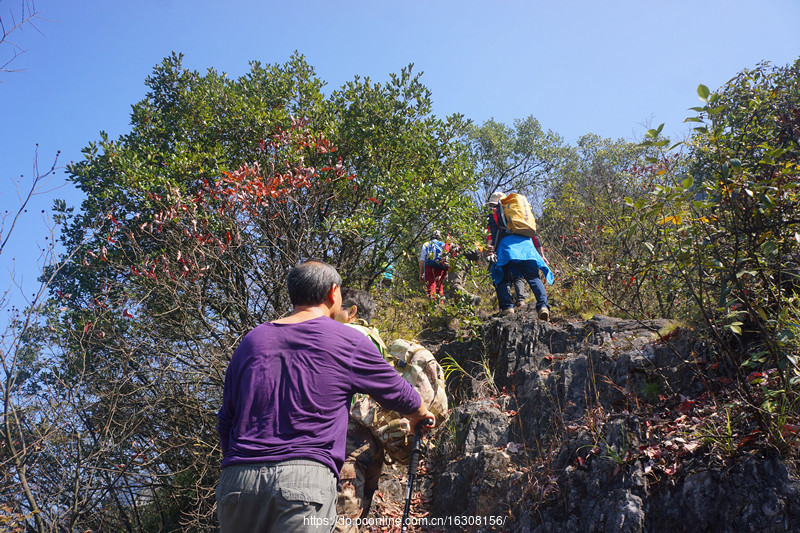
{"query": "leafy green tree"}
[(730, 229), (190, 224), (412, 172), (514, 159), (585, 224)]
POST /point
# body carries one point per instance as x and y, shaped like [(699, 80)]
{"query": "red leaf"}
[(789, 429), (748, 439), (87, 327), (686, 406), (753, 376), (652, 451), (725, 381), (373, 200)]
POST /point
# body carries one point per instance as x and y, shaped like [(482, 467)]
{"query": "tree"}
[(191, 222), (730, 230), (34, 425), (412, 172), (586, 222), (514, 159)]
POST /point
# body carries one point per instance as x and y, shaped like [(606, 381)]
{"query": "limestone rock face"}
[(567, 446)]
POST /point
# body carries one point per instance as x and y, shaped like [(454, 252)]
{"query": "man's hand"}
[(418, 416)]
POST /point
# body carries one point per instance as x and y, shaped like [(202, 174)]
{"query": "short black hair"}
[(362, 300), (310, 281)]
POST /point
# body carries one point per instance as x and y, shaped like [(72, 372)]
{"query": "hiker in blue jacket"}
[(516, 255), (433, 265)]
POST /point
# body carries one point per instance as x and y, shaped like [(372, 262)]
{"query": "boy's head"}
[(356, 304)]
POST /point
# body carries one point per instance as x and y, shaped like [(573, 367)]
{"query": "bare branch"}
[(27, 16), (35, 189)]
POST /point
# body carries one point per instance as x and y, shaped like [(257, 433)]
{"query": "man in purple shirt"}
[(283, 420)]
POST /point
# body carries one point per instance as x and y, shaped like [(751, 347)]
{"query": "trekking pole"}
[(412, 469)]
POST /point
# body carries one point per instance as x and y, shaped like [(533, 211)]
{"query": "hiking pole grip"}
[(413, 463)]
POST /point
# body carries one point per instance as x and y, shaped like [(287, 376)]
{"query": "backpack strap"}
[(499, 208), (500, 223)]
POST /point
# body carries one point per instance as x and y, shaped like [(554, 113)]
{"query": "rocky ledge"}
[(603, 425)]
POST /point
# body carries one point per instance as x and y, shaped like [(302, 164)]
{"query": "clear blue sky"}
[(579, 66)]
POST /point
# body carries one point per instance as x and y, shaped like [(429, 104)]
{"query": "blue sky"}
[(578, 66)]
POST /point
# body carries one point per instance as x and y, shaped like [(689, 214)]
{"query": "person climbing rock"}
[(364, 455), (433, 265), (516, 255)]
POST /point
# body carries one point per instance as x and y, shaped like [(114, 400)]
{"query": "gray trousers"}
[(297, 495)]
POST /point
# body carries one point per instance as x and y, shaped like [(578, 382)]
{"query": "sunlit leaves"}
[(731, 226)]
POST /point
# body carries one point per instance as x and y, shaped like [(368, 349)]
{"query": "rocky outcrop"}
[(593, 428)]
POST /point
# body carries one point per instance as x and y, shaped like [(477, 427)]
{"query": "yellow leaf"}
[(675, 220)]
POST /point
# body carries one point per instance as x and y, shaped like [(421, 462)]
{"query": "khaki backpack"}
[(517, 215), (419, 367)]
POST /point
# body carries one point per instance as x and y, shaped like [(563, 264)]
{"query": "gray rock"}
[(572, 385)]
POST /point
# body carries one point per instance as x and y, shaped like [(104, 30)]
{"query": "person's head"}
[(437, 234), (356, 304), (314, 283), (495, 198)]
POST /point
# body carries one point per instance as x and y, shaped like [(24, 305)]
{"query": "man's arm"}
[(225, 415), (538, 246), (372, 375)]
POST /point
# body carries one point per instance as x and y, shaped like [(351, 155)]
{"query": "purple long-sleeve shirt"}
[(288, 389)]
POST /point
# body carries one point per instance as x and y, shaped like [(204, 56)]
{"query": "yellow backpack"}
[(517, 215)]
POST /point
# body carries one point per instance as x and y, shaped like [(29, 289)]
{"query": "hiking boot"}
[(506, 312), (544, 313)]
